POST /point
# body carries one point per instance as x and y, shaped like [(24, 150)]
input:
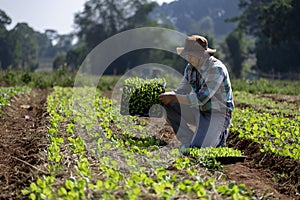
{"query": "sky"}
[(46, 14)]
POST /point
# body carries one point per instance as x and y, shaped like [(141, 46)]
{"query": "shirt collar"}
[(205, 66)]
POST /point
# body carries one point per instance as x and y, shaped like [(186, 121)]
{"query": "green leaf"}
[(99, 184), (40, 183), (33, 187), (25, 192), (32, 196), (62, 192), (69, 185)]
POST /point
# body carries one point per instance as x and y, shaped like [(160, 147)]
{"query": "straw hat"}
[(195, 45)]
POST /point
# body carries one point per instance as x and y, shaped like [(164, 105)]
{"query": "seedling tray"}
[(141, 98), (231, 159)]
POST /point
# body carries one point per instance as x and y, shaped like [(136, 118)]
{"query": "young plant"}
[(139, 95)]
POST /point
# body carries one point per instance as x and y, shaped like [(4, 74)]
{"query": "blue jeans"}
[(211, 127)]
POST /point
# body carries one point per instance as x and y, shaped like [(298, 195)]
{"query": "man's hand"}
[(168, 97)]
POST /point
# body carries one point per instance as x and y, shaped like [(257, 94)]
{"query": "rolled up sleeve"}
[(184, 86)]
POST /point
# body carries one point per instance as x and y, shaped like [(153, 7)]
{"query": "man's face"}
[(197, 61), (194, 61)]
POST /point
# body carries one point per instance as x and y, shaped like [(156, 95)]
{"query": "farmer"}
[(203, 98)]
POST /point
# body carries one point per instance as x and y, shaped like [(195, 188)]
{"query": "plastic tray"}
[(231, 159)]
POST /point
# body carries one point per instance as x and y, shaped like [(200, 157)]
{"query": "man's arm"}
[(213, 80), (167, 98), (180, 94)]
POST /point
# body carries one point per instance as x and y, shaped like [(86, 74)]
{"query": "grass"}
[(64, 78)]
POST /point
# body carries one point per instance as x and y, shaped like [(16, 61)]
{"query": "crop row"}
[(96, 153), (274, 125), (266, 105)]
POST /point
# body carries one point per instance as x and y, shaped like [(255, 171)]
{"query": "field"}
[(57, 145)]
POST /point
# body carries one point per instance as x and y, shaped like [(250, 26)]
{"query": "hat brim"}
[(181, 51), (210, 51)]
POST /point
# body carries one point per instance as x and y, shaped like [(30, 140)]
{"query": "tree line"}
[(198, 16), (269, 30), (22, 47), (266, 30)]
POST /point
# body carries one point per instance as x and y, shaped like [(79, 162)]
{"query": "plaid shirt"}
[(210, 85)]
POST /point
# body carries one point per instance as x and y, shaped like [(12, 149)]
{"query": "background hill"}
[(198, 16)]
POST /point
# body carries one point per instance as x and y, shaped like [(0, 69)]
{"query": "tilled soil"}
[(279, 174), (270, 176), (23, 130)]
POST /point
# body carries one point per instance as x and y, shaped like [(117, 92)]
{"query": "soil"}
[(23, 130), (23, 144), (283, 98), (270, 176)]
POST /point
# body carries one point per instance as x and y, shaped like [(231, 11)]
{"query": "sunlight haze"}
[(46, 14)]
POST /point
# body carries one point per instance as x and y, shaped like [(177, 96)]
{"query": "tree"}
[(60, 62), (4, 50), (4, 19), (25, 47), (141, 16), (275, 25), (198, 16), (236, 52), (75, 56), (50, 43), (280, 21), (44, 44), (64, 42), (101, 19)]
